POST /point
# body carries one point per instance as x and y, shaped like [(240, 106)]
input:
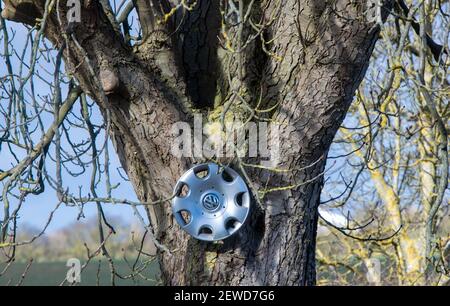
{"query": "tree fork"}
[(317, 54)]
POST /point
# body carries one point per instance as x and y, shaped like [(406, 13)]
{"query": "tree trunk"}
[(315, 55)]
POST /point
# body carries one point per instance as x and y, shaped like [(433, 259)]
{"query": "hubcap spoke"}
[(238, 186), (193, 227), (237, 212), (179, 204), (213, 169), (220, 231)]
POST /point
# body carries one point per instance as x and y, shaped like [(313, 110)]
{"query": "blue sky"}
[(36, 209)]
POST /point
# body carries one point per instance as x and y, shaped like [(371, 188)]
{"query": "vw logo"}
[(211, 201)]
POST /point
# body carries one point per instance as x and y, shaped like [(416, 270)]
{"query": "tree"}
[(297, 63), (394, 147)]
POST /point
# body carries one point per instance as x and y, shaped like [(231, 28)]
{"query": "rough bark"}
[(319, 52)]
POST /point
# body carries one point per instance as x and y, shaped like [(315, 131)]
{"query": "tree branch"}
[(148, 12), (125, 12), (435, 48), (48, 137), (24, 11), (110, 14)]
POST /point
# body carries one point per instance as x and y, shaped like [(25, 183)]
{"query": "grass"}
[(53, 273)]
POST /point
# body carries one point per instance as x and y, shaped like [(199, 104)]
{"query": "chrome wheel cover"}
[(211, 203)]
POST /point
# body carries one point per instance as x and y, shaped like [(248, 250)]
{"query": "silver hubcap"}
[(211, 203)]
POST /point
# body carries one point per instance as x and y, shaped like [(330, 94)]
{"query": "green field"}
[(53, 273)]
